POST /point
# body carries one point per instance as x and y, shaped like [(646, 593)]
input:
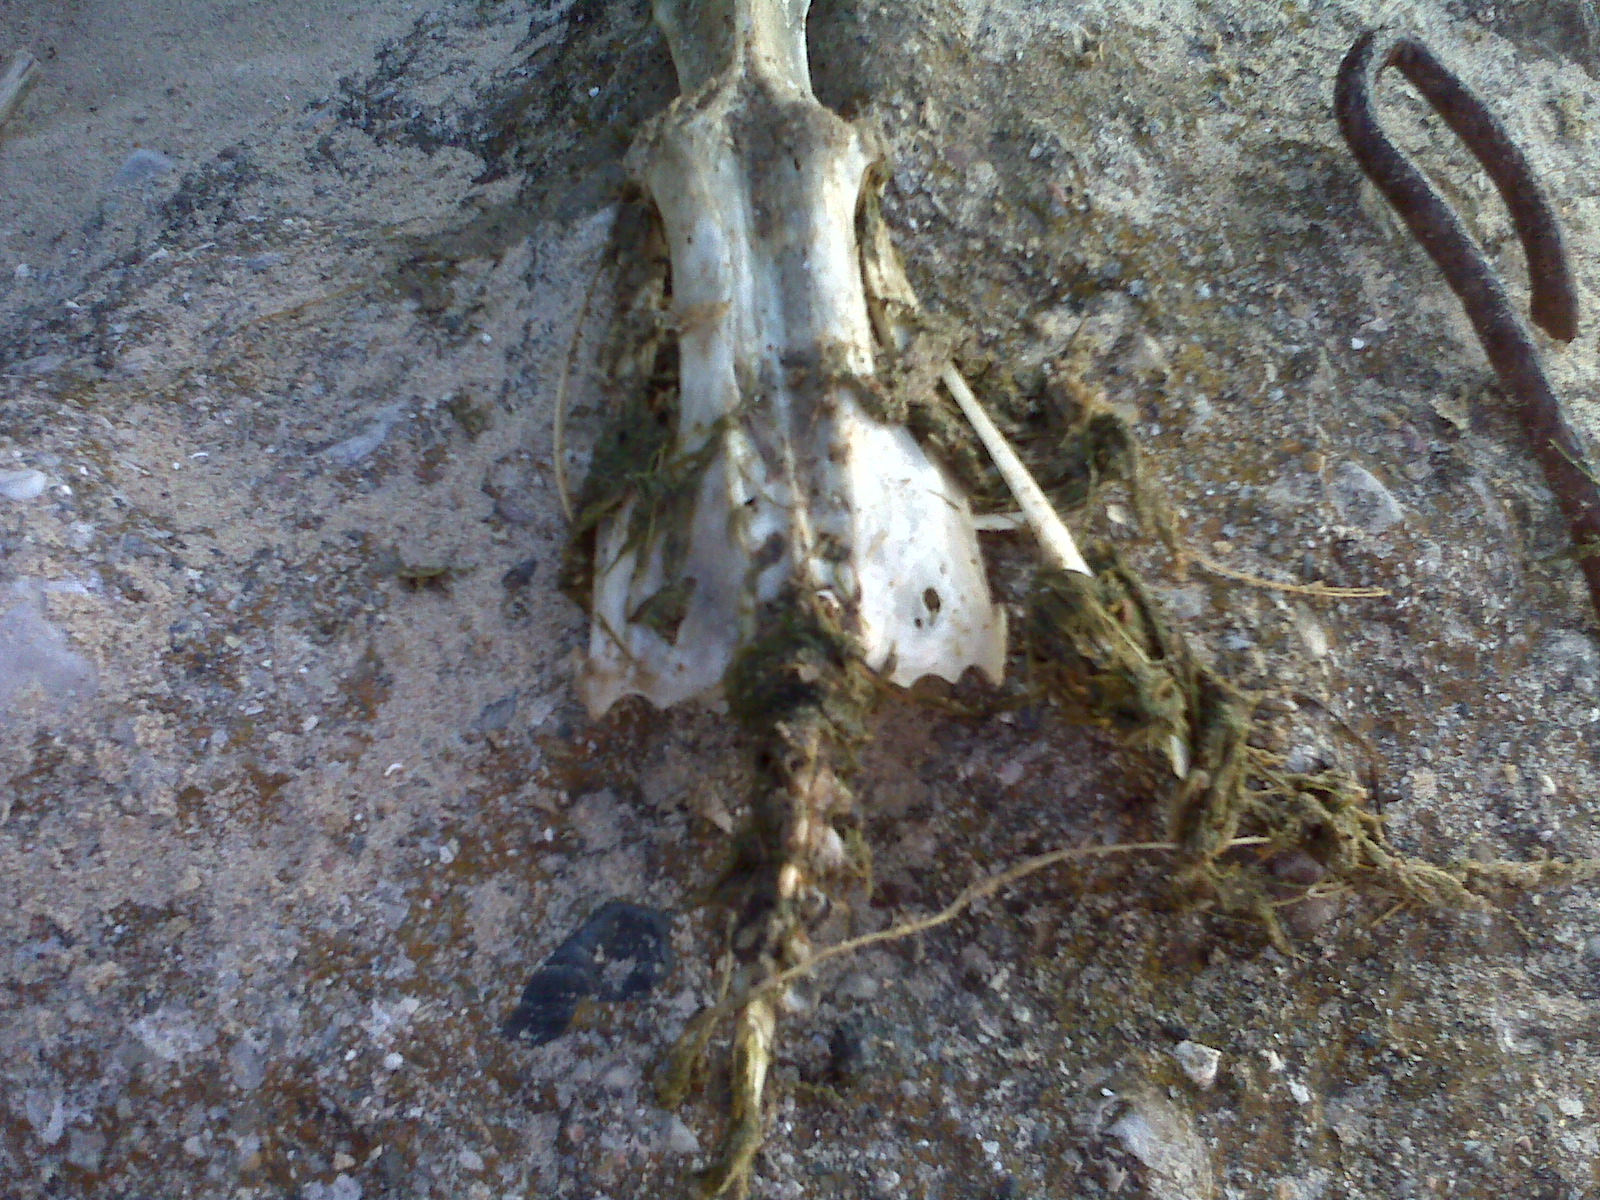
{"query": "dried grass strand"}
[(558, 434), (1322, 591)]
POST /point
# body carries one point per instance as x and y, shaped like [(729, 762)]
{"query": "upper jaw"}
[(710, 39)]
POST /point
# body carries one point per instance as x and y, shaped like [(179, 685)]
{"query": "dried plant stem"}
[(1322, 590), (970, 895), (558, 435)]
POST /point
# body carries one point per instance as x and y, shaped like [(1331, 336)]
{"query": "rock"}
[(859, 985), (86, 1148), (1348, 1114), (142, 166), (496, 716), (35, 654), (1163, 1138), (171, 1034), (23, 484), (620, 1078), (1298, 869), (342, 1188), (1199, 1062), (1145, 358), (1362, 499), (45, 1110), (620, 953), (520, 576), (372, 435), (595, 819), (677, 1137), (39, 364), (1570, 661), (1311, 632), (248, 1065)]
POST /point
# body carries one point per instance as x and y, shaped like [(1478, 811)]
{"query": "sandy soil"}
[(294, 792)]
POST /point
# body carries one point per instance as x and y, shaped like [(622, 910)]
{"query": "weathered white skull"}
[(758, 187)]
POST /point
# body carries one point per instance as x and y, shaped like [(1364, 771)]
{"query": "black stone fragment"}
[(496, 716), (521, 575), (848, 1053), (620, 953), (548, 1003)]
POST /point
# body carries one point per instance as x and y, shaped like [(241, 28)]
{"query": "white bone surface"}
[(757, 185)]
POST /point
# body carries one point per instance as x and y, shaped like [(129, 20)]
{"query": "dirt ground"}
[(294, 790)]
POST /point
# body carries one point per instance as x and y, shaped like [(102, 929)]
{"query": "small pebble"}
[(23, 485), (1362, 499), (859, 985), (85, 1148), (247, 1065), (1199, 1062), (142, 165), (678, 1137), (1162, 1136), (354, 449), (44, 1110), (496, 716), (521, 575)]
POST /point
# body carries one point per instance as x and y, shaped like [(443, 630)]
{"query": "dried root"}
[(1102, 648)]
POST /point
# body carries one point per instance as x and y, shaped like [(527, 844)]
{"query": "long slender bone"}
[(818, 543)]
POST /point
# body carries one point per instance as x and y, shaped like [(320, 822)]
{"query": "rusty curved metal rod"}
[(1553, 300)]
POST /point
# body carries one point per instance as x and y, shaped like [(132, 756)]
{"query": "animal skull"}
[(759, 189)]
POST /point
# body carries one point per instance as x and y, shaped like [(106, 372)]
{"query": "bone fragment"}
[(1055, 540)]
